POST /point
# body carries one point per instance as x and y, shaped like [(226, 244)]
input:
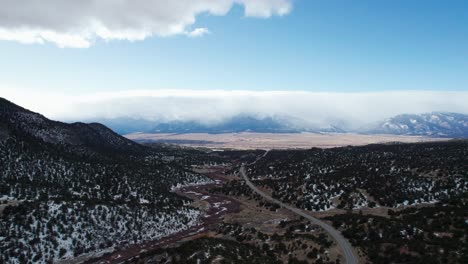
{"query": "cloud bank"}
[(78, 24), (211, 106)]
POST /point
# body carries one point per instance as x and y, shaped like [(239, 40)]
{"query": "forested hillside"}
[(69, 189), (392, 175), (403, 203)]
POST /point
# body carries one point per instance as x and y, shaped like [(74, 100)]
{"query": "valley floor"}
[(240, 226), (273, 140), (247, 223), (215, 207)]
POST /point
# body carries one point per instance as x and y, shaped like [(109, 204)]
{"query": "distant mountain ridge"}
[(235, 124), (241, 123), (435, 124)]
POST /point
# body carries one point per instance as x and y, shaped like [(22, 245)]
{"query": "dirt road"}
[(345, 246)]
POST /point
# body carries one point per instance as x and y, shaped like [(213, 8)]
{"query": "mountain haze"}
[(435, 124)]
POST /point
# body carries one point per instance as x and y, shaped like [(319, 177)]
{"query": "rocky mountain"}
[(435, 124), (73, 189)]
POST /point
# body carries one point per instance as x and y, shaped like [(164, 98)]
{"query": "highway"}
[(345, 246)]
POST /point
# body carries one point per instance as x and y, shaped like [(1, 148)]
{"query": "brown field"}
[(249, 140)]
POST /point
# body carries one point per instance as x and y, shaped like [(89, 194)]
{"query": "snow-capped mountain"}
[(239, 123), (235, 124), (436, 124)]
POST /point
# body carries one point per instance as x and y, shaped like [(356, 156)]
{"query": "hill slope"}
[(79, 188), (77, 137)]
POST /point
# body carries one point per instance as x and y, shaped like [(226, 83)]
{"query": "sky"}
[(380, 57)]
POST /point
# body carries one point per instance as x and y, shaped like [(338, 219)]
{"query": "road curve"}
[(345, 246)]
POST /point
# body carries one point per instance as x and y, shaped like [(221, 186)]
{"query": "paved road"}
[(346, 248)]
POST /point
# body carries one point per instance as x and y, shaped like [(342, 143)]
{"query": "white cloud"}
[(198, 32), (266, 8), (316, 108), (78, 24)]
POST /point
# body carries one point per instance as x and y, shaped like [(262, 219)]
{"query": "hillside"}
[(80, 188), (394, 175), (396, 203), (87, 139)]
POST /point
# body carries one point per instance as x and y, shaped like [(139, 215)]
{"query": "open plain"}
[(248, 140)]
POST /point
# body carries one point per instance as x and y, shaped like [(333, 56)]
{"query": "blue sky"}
[(334, 47), (319, 46)]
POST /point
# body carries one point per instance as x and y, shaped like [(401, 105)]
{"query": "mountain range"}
[(434, 124)]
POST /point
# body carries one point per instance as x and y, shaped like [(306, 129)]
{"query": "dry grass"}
[(274, 141)]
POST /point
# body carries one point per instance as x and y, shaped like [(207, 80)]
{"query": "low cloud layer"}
[(79, 23), (315, 108)]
